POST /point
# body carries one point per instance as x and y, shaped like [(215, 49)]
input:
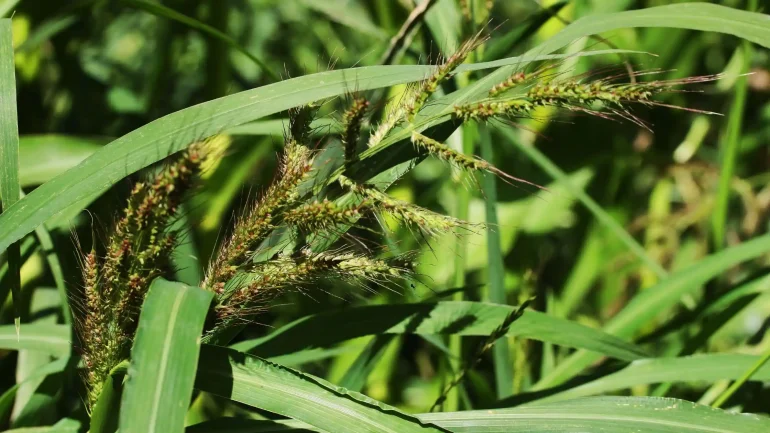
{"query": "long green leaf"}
[(707, 368), (163, 359), (595, 414), (654, 300), (66, 425), (9, 155), (603, 414), (8, 397), (706, 17), (448, 318), (176, 131), (49, 338), (6, 6), (729, 149), (281, 390)]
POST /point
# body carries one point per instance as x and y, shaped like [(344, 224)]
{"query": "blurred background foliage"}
[(91, 71)]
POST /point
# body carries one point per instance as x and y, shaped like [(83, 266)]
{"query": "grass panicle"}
[(416, 96), (602, 97), (425, 220), (255, 225), (137, 251), (318, 216), (261, 282)]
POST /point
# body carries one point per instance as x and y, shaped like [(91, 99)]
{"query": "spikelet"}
[(321, 215), (514, 80), (427, 221), (460, 160), (269, 279)]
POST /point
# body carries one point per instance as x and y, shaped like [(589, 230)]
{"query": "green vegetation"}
[(384, 216)]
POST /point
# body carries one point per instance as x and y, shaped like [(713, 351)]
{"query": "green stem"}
[(501, 352), (459, 280), (730, 146), (743, 379)]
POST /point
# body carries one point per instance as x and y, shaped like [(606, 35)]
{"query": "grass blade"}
[(163, 359), (43, 157), (755, 371), (605, 414), (7, 6), (50, 338), (706, 17), (9, 157), (447, 318), (281, 390), (729, 149)]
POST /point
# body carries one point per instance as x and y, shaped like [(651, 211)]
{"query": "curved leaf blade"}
[(594, 414), (448, 318), (163, 359), (49, 338), (696, 368), (605, 414), (281, 390)]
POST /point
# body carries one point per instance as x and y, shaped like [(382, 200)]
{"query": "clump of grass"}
[(140, 242)]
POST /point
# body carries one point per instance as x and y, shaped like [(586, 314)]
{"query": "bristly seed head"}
[(462, 161), (425, 220), (319, 216), (442, 72), (251, 229)]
